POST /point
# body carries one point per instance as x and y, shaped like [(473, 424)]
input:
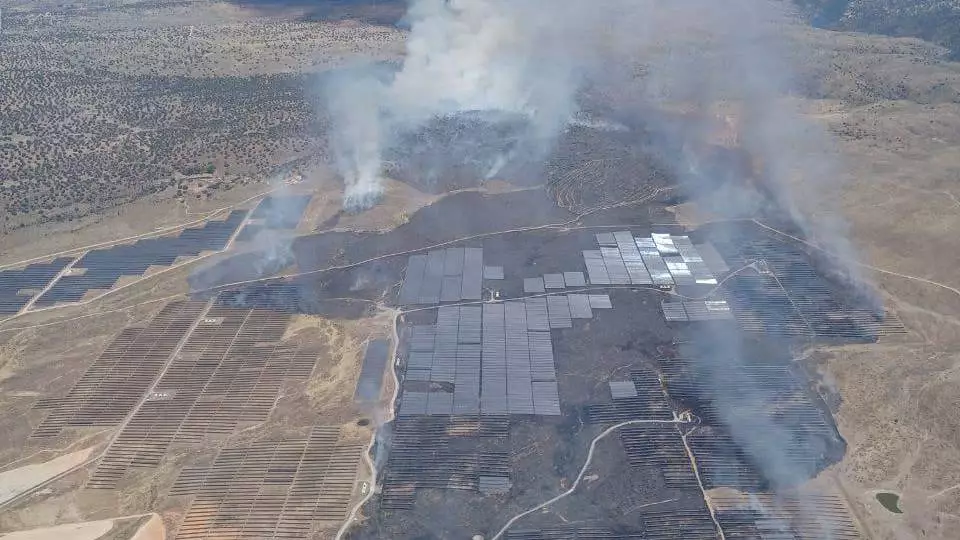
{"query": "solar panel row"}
[(113, 385), (443, 275), (787, 296), (281, 211), (104, 267), (519, 378), (553, 281), (712, 258), (493, 357), (660, 260), (270, 489), (632, 260), (537, 314), (574, 279), (580, 306), (370, 381), (229, 371), (793, 515), (596, 270), (533, 285), (558, 308), (700, 271), (659, 448), (493, 272), (18, 287), (449, 452)]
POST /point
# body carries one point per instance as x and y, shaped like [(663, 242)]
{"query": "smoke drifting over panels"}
[(534, 58)]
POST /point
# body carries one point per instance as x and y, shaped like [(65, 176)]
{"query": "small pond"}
[(890, 501)]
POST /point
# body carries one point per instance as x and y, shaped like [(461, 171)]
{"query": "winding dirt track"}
[(583, 470)]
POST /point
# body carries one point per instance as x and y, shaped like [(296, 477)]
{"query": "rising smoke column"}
[(354, 100), (522, 57)]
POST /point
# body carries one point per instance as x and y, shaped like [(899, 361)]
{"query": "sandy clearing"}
[(16, 481), (153, 529), (87, 530)]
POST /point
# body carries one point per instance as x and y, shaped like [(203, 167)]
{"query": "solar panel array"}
[(648, 402), (495, 359), (696, 310), (809, 516), (270, 489), (690, 256), (724, 463), (534, 285), (570, 533), (114, 384), (443, 275), (712, 258), (230, 371), (275, 212), (600, 301), (18, 287), (370, 381), (687, 524), (493, 485), (100, 269), (754, 515), (784, 295), (574, 279), (753, 394), (652, 258), (493, 272), (622, 389), (759, 387), (659, 447), (480, 360), (579, 306), (553, 281), (558, 312), (452, 452), (767, 390), (660, 259), (673, 311), (493, 399), (707, 310)]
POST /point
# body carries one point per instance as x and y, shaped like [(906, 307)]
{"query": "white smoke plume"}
[(523, 57)]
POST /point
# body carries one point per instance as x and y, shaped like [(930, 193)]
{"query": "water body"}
[(890, 501)]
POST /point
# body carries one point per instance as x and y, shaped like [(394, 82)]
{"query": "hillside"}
[(933, 20)]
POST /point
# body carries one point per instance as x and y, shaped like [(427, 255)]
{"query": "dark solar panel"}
[(17, 287), (281, 211), (371, 373), (104, 267)]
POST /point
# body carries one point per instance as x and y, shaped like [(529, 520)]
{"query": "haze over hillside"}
[(933, 20)]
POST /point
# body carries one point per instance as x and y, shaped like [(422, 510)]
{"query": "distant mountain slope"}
[(933, 20)]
